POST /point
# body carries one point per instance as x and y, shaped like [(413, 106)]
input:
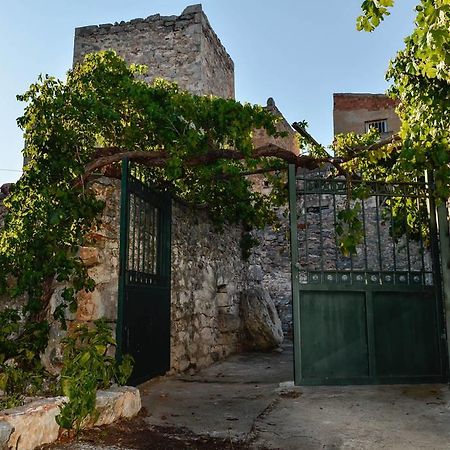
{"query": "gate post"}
[(123, 245), (444, 247), (292, 183)]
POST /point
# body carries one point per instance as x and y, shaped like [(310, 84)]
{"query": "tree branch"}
[(160, 158), (377, 145), (109, 155)]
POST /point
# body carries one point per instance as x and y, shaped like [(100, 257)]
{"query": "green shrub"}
[(86, 368)]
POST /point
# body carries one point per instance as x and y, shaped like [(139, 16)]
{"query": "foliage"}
[(200, 147), (420, 76), (349, 229), (104, 103), (373, 13), (11, 401), (20, 346), (23, 351), (86, 368)]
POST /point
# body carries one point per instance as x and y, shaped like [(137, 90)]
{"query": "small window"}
[(379, 125)]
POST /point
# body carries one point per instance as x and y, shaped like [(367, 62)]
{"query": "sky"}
[(298, 52)]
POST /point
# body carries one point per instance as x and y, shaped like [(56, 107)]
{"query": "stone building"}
[(209, 280), (360, 112), (183, 48)]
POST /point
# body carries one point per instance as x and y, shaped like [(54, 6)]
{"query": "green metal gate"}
[(143, 326), (373, 317)]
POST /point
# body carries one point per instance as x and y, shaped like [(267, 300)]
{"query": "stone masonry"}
[(208, 275), (101, 257), (184, 49), (271, 260), (271, 266)]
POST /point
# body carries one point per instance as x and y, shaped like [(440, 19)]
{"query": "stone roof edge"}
[(188, 13)]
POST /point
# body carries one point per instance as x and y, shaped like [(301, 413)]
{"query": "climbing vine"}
[(199, 148), (87, 366)]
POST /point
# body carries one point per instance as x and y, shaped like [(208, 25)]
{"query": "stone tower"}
[(184, 49)]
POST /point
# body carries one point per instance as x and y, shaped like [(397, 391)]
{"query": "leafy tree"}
[(420, 76), (420, 81)]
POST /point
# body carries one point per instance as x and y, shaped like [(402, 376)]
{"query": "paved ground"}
[(239, 404), (224, 400)]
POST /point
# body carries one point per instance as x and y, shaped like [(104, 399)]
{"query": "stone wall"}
[(217, 65), (271, 266), (101, 256), (270, 260), (184, 49), (288, 142), (208, 274)]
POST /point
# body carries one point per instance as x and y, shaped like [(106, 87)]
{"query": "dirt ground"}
[(137, 435)]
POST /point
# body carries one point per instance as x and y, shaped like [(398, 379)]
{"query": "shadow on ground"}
[(213, 409), (248, 402)]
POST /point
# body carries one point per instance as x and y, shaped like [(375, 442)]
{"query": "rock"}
[(29, 426), (255, 273), (6, 188), (34, 424), (53, 354), (116, 403), (261, 321), (151, 18), (89, 255), (5, 432), (192, 9)]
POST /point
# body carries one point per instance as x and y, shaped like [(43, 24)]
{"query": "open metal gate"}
[(143, 326), (376, 316)]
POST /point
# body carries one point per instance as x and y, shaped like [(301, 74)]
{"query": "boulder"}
[(32, 425), (261, 321), (6, 430)]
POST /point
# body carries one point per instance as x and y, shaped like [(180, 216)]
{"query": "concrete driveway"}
[(248, 401)]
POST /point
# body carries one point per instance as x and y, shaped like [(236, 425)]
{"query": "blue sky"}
[(298, 52)]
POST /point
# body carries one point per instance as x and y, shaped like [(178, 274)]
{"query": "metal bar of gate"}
[(292, 182), (123, 255), (437, 270), (444, 238)]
